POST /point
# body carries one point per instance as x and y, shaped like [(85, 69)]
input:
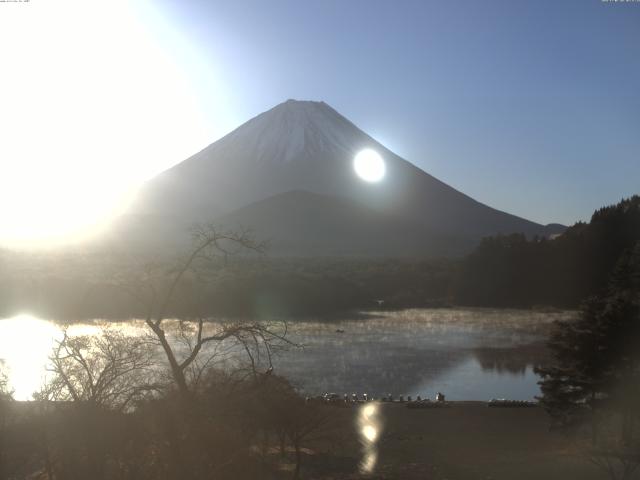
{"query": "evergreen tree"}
[(514, 271), (595, 379)]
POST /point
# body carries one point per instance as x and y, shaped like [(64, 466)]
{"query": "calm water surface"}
[(470, 354)]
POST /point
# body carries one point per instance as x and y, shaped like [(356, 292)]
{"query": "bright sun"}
[(369, 165), (92, 105)]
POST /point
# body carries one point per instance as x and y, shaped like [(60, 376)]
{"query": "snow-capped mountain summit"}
[(305, 146), (284, 133), (296, 145)]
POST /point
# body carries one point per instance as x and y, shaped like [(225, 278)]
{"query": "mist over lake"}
[(469, 354)]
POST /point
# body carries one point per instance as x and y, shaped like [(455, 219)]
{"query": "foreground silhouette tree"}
[(595, 380), (186, 279), (5, 399), (277, 410), (95, 381), (108, 370)]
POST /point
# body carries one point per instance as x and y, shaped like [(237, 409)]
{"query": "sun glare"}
[(369, 165), (26, 344), (91, 106)]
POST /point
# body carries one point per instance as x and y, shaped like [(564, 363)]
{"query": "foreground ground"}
[(465, 441)]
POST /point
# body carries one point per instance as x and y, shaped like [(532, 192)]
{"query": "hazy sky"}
[(532, 107)]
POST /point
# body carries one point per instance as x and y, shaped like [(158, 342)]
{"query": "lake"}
[(468, 354)]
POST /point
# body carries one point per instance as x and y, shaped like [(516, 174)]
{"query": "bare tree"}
[(616, 456), (109, 369), (5, 398), (101, 375), (5, 392), (256, 339), (305, 422), (618, 461)]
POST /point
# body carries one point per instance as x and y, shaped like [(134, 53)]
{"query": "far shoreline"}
[(329, 318)]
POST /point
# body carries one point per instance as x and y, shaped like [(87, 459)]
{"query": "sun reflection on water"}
[(370, 428), (25, 346), (26, 342)]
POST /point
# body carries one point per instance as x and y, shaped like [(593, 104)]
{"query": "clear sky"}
[(532, 107)]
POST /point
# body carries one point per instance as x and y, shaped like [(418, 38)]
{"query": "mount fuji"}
[(288, 175)]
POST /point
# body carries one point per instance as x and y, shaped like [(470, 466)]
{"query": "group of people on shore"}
[(355, 398)]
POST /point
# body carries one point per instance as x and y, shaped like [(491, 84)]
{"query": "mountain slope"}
[(301, 223), (308, 146)]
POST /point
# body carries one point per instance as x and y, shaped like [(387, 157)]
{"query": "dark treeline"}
[(512, 271), (322, 286), (503, 271), (90, 286)]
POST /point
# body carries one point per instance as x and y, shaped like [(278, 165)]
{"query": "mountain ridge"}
[(309, 146)]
